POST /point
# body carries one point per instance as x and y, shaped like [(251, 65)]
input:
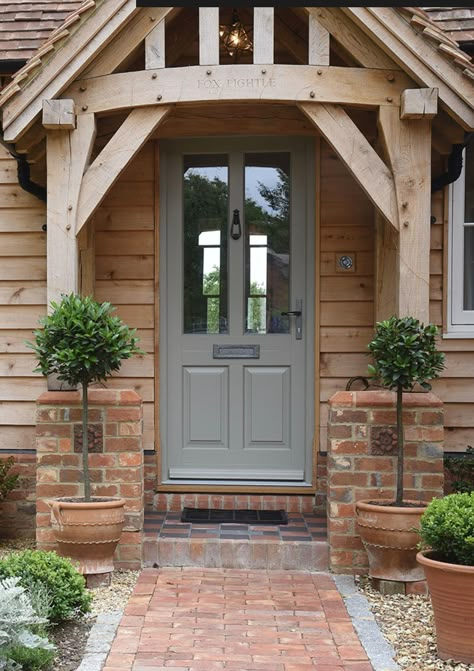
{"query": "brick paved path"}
[(195, 619)]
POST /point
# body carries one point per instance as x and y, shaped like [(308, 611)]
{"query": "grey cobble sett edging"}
[(379, 651), (99, 641)]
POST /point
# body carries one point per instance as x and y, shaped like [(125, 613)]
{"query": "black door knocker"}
[(235, 228)]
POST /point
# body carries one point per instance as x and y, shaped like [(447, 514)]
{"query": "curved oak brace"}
[(362, 87), (358, 155), (114, 158)]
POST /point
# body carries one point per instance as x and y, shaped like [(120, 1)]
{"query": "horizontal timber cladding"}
[(22, 303), (347, 299), (125, 275), (346, 296)]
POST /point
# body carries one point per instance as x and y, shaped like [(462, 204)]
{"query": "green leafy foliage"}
[(82, 342), (447, 527), (32, 659), (461, 470), (8, 481), (405, 353), (65, 585)]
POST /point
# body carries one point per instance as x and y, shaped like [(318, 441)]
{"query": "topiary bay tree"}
[(82, 342), (404, 353)]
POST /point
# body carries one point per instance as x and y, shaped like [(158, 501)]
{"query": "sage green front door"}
[(236, 319)]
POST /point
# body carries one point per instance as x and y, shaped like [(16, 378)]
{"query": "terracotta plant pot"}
[(88, 532), (390, 538), (452, 596)]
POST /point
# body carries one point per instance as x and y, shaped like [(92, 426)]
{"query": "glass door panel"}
[(205, 213), (267, 242)]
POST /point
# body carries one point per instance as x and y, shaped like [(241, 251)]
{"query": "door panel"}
[(267, 407), (205, 407), (236, 378)]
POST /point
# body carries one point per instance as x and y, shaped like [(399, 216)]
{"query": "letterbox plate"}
[(236, 351)]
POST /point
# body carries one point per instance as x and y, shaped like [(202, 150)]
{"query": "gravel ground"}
[(71, 637), (407, 623)]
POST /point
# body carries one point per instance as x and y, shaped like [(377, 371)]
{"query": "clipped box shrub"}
[(65, 585), (447, 527)]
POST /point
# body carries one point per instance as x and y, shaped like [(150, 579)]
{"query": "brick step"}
[(246, 554), (299, 545), (296, 503)]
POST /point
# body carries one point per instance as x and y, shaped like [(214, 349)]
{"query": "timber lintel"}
[(358, 155)]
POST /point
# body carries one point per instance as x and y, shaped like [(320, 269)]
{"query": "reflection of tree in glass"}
[(205, 204), (272, 221), (205, 208)]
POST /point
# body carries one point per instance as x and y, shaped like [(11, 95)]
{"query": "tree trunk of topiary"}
[(399, 496), (85, 442)]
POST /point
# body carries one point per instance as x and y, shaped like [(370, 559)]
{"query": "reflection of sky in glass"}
[(267, 176)]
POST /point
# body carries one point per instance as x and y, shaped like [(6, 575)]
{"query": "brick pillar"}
[(362, 461), (115, 459)]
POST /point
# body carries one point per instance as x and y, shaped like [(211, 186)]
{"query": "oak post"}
[(68, 153), (407, 146)]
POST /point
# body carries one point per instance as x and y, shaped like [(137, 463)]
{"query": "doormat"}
[(219, 516)]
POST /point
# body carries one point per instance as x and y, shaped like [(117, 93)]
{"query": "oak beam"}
[(86, 244), (263, 31), (361, 87), (413, 53), (419, 104), (114, 157), (386, 269), (357, 154), (61, 70), (407, 146), (209, 35), (318, 42), (68, 152), (128, 39), (155, 47), (351, 38)]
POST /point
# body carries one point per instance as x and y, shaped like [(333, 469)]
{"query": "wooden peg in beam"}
[(419, 103)]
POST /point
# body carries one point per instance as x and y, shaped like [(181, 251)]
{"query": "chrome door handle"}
[(298, 314)]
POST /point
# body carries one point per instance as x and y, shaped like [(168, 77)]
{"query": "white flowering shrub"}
[(17, 619)]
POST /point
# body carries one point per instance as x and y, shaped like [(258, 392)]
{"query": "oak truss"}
[(395, 175)]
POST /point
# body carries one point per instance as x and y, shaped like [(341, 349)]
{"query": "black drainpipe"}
[(23, 172), (454, 166)]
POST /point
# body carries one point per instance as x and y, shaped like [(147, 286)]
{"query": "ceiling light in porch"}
[(235, 37)]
